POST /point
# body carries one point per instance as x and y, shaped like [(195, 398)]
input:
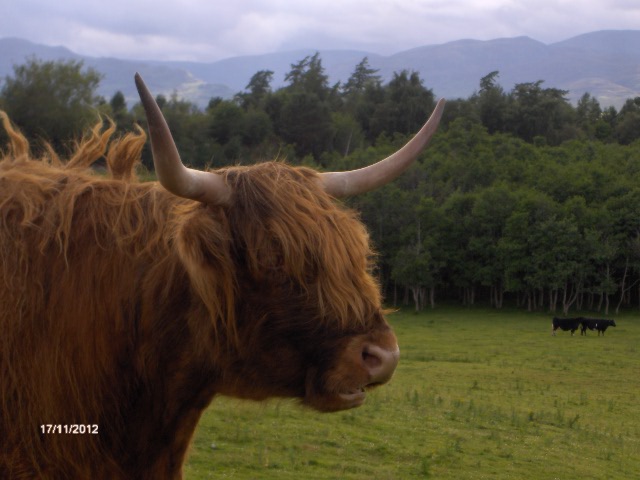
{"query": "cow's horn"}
[(344, 184), (206, 187)]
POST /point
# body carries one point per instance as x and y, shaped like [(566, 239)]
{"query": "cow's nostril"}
[(370, 360), (380, 363)]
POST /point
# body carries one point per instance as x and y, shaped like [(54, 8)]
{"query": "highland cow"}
[(125, 307)]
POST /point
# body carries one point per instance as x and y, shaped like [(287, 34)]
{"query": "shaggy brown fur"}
[(125, 307)]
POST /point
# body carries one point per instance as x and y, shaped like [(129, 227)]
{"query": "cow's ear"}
[(203, 249)]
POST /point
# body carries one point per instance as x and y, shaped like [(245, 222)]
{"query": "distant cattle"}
[(565, 324), (603, 325), (590, 323), (572, 324)]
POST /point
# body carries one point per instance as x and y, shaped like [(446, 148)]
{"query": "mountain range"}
[(605, 64)]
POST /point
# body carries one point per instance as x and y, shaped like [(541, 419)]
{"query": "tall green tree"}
[(627, 128), (358, 101), (492, 103), (259, 87), (52, 100), (407, 104), (588, 113), (489, 214), (362, 76), (538, 113), (308, 76), (118, 111)]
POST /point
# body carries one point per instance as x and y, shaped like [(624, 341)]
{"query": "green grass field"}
[(478, 394)]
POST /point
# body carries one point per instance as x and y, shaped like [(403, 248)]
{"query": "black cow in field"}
[(604, 324), (590, 323), (565, 324)]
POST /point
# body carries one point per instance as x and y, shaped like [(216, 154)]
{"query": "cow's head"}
[(308, 315)]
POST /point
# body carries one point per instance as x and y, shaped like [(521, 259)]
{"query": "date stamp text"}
[(73, 429)]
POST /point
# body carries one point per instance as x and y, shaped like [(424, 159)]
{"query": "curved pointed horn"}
[(206, 187), (344, 184)]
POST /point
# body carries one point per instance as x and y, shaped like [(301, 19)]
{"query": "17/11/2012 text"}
[(73, 429)]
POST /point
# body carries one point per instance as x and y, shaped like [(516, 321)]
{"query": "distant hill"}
[(605, 64)]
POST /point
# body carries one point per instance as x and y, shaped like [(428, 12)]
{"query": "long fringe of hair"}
[(298, 230)]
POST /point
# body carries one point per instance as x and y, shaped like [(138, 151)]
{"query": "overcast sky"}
[(208, 30)]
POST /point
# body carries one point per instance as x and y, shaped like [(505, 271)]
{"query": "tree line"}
[(522, 198)]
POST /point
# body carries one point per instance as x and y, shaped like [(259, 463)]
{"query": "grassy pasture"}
[(478, 394)]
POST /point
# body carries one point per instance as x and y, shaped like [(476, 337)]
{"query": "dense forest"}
[(521, 199)]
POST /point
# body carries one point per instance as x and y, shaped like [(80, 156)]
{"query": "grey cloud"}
[(205, 30)]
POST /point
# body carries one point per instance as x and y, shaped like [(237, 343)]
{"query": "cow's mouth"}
[(353, 398), (336, 401)]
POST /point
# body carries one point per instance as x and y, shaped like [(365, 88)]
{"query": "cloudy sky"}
[(208, 30)]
